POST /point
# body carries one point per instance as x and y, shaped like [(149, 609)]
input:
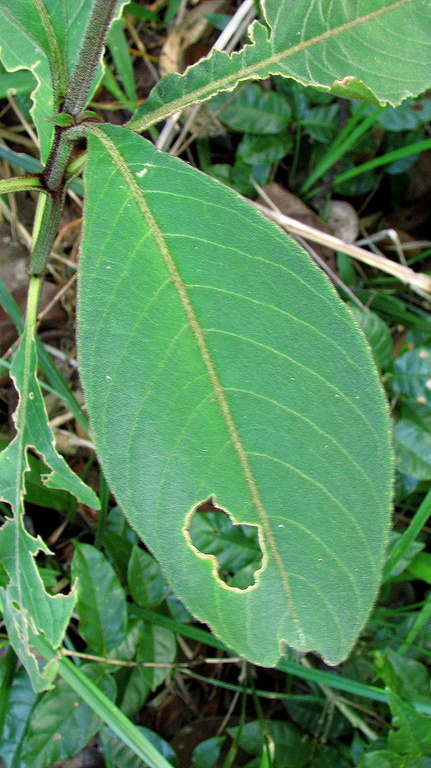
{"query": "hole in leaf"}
[(235, 546)]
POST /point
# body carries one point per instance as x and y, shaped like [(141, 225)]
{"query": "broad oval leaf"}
[(218, 361)]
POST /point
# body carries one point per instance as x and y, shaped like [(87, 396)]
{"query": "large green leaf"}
[(376, 50), (218, 361)]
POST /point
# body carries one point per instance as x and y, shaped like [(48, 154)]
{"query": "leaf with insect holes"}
[(221, 363), (376, 50), (27, 609)]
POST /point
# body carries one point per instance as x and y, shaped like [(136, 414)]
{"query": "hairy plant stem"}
[(54, 176), (51, 207), (20, 184), (101, 17)]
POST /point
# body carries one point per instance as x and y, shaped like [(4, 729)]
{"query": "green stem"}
[(419, 623), (32, 303), (347, 138), (19, 184), (49, 212), (89, 57), (406, 540), (59, 158), (389, 157)]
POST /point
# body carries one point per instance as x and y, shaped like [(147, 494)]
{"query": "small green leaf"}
[(101, 601), (157, 645), (412, 446), (61, 119), (206, 754), (412, 375), (146, 582), (118, 541), (253, 110), (263, 150), (123, 757), (36, 491), (409, 115), (234, 546), (292, 750), (377, 334), (401, 565), (132, 688), (413, 730), (405, 677), (321, 122), (61, 723), (383, 758)]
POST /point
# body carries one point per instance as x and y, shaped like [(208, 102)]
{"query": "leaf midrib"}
[(251, 71), (217, 387)]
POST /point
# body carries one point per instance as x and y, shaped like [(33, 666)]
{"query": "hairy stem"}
[(54, 176), (19, 184), (49, 212), (89, 56)]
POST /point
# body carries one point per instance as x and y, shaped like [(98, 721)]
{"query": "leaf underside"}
[(218, 361)]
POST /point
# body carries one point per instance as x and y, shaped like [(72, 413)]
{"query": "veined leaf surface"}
[(218, 361), (375, 50)]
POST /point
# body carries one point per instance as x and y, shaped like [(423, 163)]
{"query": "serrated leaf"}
[(101, 603), (356, 50), (240, 375), (27, 608), (61, 723)]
